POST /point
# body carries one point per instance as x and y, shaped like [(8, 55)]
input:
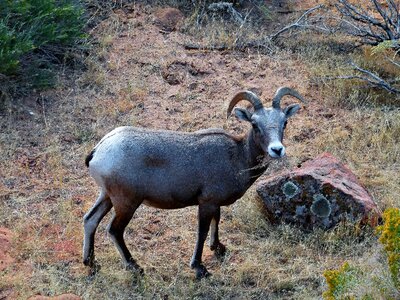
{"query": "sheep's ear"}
[(291, 110), (243, 114)]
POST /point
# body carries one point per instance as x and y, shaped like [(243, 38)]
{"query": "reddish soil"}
[(195, 85), (149, 79), (5, 249)]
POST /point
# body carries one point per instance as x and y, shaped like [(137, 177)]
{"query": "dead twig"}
[(394, 62), (301, 23), (264, 42), (369, 77), (205, 48), (375, 80), (372, 29)]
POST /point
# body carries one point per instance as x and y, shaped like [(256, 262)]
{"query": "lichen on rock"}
[(300, 210), (321, 206), (290, 189)]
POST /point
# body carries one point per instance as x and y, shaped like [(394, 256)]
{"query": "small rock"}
[(193, 86), (169, 19), (175, 72), (172, 78), (320, 193)]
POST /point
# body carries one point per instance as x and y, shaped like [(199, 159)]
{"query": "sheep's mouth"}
[(276, 157), (263, 162)]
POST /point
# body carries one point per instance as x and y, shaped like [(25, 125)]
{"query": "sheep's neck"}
[(255, 156)]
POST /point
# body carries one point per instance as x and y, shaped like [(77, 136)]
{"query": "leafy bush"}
[(390, 238), (26, 25), (350, 282), (340, 282)]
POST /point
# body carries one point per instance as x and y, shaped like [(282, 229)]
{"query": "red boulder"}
[(320, 193)]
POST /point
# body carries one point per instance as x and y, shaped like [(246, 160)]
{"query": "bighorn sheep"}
[(167, 169)]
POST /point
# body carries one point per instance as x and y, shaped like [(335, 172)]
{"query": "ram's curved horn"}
[(283, 91), (246, 95)]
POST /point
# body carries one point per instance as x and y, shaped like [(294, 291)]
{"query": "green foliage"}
[(340, 282), (26, 25), (12, 46), (390, 238), (385, 45), (345, 282)]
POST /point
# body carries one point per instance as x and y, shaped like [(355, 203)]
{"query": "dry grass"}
[(45, 189), (366, 133)]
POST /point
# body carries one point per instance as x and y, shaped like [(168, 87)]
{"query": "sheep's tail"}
[(89, 157)]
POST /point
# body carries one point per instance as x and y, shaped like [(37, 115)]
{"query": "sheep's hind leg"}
[(204, 216), (215, 245), (91, 221), (123, 214)]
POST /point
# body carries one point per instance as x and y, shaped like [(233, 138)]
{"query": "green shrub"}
[(390, 239), (385, 45), (340, 282), (26, 25), (350, 282), (12, 46)]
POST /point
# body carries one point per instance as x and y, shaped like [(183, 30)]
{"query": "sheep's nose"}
[(276, 150)]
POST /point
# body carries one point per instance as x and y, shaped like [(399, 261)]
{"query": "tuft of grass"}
[(331, 72), (369, 145), (212, 31)]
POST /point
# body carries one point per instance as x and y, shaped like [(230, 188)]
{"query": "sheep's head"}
[(268, 123)]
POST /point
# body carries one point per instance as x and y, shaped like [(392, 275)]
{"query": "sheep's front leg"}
[(205, 216), (215, 245)]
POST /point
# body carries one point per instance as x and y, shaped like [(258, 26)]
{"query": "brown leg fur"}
[(205, 216), (124, 210), (215, 245)]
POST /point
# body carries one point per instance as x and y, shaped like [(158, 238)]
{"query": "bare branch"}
[(239, 46), (376, 80), (300, 23), (384, 15), (370, 78), (374, 23), (394, 62), (372, 30)]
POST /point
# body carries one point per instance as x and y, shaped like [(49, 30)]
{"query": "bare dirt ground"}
[(144, 76)]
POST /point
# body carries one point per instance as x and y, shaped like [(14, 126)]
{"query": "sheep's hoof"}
[(219, 250), (201, 272), (134, 267), (89, 260), (94, 267)]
